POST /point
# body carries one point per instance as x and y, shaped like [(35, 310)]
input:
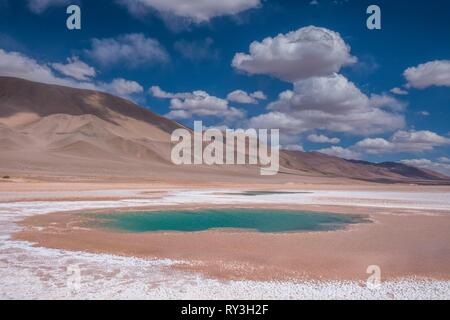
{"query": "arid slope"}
[(54, 131)]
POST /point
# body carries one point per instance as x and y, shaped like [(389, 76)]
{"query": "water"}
[(206, 219)]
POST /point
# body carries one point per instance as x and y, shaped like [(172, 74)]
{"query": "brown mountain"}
[(387, 172), (60, 132)]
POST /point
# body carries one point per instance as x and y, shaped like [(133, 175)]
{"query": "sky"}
[(309, 68)]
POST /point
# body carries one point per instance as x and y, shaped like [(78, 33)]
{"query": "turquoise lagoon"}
[(260, 220)]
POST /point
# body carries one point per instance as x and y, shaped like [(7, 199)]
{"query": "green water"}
[(201, 220)]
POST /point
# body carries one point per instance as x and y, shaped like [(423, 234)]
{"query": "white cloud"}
[(276, 120), (401, 142), (293, 147), (386, 101), (75, 68), (157, 92), (428, 164), (331, 94), (39, 6), (399, 91), (307, 52), (196, 11), (200, 103), (423, 113), (321, 98), (185, 105), (444, 160), (240, 96), (15, 64), (122, 87), (418, 137), (259, 95), (323, 139), (340, 152), (417, 162), (289, 127), (375, 146), (131, 50), (433, 73), (329, 103)]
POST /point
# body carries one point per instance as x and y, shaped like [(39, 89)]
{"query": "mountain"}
[(67, 133), (387, 172)]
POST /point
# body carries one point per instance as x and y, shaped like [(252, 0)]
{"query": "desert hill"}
[(56, 131)]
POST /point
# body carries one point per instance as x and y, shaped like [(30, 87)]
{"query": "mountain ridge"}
[(50, 129)]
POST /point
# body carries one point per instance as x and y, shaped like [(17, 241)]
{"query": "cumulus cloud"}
[(334, 94), (198, 103), (157, 92), (329, 103), (423, 113), (122, 87), (386, 101), (402, 142), (195, 11), (259, 95), (425, 137), (399, 142), (75, 68), (322, 139), (399, 91), (308, 52), (186, 105), (443, 168), (321, 99), (293, 147), (39, 6), (340, 153), (14, 64), (289, 127), (375, 146), (433, 73), (243, 97), (132, 50)]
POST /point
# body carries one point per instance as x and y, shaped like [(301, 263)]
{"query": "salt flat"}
[(28, 272)]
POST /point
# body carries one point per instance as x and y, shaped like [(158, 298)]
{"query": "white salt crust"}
[(27, 272)]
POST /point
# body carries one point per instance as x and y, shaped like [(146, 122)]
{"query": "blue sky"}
[(336, 76)]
